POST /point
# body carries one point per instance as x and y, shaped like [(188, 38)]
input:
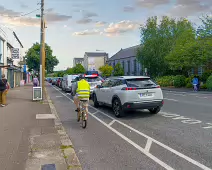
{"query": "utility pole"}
[(42, 49)]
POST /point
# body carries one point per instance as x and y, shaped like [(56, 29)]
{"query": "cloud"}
[(87, 32), (56, 17), (24, 5), (100, 23), (11, 17), (8, 12), (87, 17), (151, 3), (190, 7), (89, 14), (84, 21), (129, 9), (121, 27)]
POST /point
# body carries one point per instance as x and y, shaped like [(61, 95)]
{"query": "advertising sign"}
[(15, 53), (91, 64)]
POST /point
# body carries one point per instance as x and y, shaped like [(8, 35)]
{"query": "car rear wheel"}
[(117, 108), (95, 101), (155, 110)]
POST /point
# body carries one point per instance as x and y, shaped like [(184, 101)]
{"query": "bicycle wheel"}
[(84, 121)]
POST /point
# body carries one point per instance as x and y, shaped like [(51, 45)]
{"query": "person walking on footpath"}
[(4, 86), (35, 81)]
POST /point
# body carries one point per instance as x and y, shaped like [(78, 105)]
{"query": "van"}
[(67, 81)]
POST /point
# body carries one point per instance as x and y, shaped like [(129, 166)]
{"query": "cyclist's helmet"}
[(81, 76)]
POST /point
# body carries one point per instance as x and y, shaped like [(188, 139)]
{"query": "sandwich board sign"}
[(37, 93)]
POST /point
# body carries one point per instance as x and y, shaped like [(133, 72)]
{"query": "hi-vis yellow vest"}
[(83, 90)]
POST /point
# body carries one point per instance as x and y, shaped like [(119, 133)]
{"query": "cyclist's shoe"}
[(77, 110)]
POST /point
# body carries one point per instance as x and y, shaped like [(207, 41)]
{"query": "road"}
[(179, 137)]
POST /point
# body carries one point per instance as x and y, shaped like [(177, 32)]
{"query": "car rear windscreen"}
[(92, 79), (141, 83)]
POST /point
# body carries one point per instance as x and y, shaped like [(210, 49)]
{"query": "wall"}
[(124, 63), (95, 62)]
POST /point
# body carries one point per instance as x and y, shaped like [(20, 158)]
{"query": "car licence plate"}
[(145, 94)]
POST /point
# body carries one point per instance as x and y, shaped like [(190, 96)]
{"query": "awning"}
[(11, 67)]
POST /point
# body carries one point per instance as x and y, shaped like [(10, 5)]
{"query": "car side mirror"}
[(98, 86)]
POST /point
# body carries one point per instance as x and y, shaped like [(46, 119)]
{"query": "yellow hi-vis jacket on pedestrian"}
[(83, 89)]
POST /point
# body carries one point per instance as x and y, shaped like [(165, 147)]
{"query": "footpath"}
[(32, 136), (187, 90)]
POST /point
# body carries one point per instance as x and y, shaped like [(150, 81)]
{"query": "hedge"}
[(209, 83)]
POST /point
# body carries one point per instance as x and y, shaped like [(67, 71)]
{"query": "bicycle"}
[(82, 114)]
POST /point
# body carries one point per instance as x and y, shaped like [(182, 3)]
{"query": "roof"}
[(124, 53), (78, 58), (96, 54)]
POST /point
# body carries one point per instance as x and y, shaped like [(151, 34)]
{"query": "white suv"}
[(129, 93)]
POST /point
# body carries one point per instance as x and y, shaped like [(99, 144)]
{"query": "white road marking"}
[(59, 96), (171, 99), (191, 121), (45, 116), (148, 138), (112, 122), (148, 145), (208, 127), (179, 94)]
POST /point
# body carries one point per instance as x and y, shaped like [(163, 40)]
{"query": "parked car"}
[(54, 81), (129, 93), (67, 82), (93, 80)]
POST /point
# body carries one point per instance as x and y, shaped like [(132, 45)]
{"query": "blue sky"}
[(78, 26)]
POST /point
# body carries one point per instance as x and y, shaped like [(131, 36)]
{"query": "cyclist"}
[(81, 91)]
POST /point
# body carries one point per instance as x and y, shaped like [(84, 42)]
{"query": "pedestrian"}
[(195, 83), (4, 87), (35, 81)]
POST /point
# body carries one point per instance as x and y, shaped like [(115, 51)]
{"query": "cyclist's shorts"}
[(85, 101)]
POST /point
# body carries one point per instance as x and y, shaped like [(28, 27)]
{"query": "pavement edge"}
[(67, 148)]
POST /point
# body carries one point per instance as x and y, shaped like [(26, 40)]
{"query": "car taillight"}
[(158, 86), (129, 88)]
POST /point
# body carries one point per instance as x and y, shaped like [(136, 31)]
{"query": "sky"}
[(78, 26)]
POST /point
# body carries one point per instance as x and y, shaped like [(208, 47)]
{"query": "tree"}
[(106, 70), (205, 30), (69, 71), (157, 41), (78, 69), (118, 70), (33, 58)]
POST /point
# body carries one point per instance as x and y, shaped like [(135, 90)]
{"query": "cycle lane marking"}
[(148, 143)]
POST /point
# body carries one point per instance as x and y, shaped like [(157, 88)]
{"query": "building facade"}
[(8, 65), (94, 60), (78, 61), (127, 58)]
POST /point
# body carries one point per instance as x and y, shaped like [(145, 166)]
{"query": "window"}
[(92, 79), (200, 70), (135, 67), (118, 82), (128, 63), (141, 83), (105, 84)]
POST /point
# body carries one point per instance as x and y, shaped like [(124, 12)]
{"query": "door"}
[(100, 92)]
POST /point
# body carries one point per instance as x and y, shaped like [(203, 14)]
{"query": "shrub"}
[(189, 85), (209, 83), (203, 86), (179, 81), (165, 81), (205, 75)]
